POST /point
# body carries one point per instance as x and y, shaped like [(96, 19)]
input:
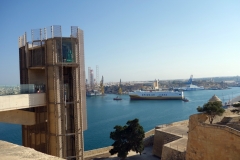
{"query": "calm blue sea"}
[(104, 113)]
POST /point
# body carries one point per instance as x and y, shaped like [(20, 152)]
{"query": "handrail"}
[(21, 89)]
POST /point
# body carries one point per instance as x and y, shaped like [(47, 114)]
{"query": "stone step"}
[(226, 120), (234, 125)]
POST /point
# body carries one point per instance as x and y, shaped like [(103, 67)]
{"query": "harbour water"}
[(103, 113)]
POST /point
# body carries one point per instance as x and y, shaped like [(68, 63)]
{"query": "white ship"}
[(190, 86), (155, 94), (93, 93)]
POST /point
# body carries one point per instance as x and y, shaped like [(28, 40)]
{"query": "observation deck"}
[(22, 96), (15, 98)]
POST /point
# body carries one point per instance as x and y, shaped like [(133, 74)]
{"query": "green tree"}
[(237, 107), (236, 104), (126, 138), (211, 109)]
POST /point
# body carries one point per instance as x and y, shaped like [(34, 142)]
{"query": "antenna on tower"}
[(97, 74)]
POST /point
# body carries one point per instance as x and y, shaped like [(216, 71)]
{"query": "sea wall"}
[(170, 153), (211, 141)]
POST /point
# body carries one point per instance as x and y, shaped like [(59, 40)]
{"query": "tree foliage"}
[(236, 105), (211, 109), (126, 138), (237, 109)]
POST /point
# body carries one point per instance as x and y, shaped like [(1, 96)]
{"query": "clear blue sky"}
[(133, 39)]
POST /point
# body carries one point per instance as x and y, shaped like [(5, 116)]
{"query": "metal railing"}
[(21, 89)]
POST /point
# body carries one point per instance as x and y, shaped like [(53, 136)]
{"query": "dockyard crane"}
[(120, 88), (102, 86)]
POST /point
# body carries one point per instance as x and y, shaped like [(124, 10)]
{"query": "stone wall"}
[(149, 137), (185, 122), (9, 151), (172, 154), (149, 133), (206, 141), (161, 138)]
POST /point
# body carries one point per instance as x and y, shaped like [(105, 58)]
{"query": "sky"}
[(133, 40)]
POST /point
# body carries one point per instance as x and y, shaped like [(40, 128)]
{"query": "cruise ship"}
[(93, 93), (190, 86), (155, 94)]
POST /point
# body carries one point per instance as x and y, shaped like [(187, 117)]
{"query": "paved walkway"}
[(146, 155), (180, 130)]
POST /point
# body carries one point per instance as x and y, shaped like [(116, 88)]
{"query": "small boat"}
[(185, 99), (117, 98)]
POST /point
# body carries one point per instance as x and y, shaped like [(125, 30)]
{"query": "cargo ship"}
[(156, 94)]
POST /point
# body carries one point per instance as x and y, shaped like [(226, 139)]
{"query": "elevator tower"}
[(56, 64)]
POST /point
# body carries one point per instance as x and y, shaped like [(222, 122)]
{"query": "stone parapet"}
[(13, 151), (222, 127), (170, 153), (185, 122), (167, 133), (161, 138), (149, 133), (211, 141)]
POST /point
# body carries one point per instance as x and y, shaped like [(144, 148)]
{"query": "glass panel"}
[(67, 52)]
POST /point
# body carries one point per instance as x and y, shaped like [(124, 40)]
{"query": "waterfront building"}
[(53, 66)]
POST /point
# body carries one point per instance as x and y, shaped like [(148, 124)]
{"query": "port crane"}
[(120, 88), (102, 86)]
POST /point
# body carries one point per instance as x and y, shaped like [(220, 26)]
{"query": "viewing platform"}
[(15, 98), (22, 96)]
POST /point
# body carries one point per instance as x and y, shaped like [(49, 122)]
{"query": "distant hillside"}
[(220, 79), (215, 79)]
